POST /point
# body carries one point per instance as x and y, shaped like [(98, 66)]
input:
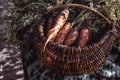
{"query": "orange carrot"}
[(84, 37), (63, 33), (41, 26), (49, 24), (58, 24), (71, 37)]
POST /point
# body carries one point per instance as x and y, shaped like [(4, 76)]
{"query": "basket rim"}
[(49, 10), (109, 33), (109, 22), (102, 56)]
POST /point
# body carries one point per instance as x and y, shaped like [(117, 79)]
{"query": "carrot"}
[(58, 24), (41, 26), (71, 37), (84, 37), (49, 24), (63, 33)]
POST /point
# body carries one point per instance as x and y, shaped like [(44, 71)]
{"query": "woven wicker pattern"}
[(76, 61), (73, 60)]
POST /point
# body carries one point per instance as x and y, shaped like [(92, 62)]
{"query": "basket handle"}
[(80, 6)]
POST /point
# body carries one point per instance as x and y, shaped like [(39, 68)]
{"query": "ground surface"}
[(11, 67), (11, 64), (10, 60)]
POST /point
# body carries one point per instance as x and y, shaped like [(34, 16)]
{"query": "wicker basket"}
[(73, 60)]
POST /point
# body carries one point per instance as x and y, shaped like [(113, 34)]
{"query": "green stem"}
[(80, 6), (31, 5), (21, 10)]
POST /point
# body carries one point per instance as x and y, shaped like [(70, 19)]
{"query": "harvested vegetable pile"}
[(63, 30)]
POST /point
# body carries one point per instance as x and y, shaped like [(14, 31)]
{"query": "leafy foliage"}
[(23, 13)]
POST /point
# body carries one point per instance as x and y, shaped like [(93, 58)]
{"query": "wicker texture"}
[(73, 60)]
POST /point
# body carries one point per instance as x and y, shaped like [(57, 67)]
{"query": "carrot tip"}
[(44, 47), (46, 43)]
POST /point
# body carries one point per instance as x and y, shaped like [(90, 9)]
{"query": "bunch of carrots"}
[(61, 31)]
